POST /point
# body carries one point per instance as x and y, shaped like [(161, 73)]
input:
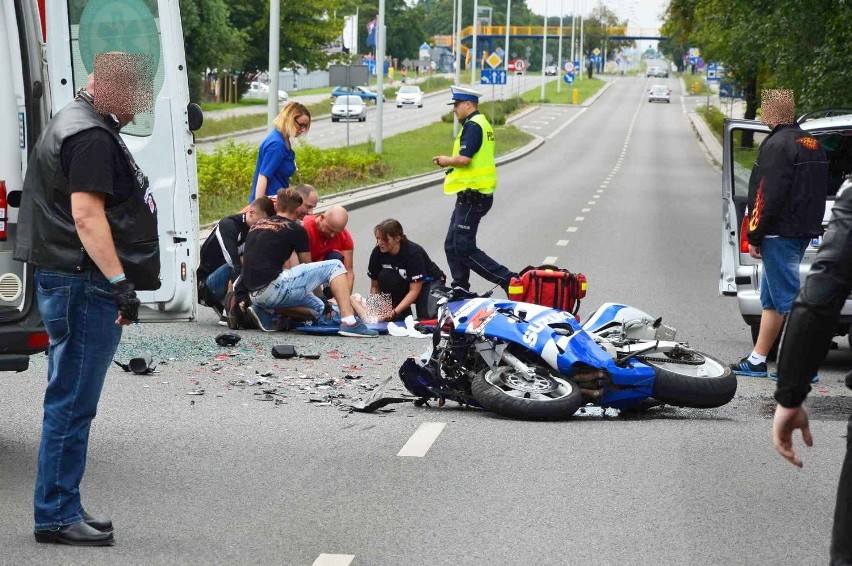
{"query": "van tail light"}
[(4, 212), (744, 235)]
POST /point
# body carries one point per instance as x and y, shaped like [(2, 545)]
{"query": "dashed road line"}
[(422, 440), (586, 210), (562, 243), (579, 218), (550, 260), (571, 229), (334, 560)]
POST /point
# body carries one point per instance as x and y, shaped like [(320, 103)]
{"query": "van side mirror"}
[(195, 117)]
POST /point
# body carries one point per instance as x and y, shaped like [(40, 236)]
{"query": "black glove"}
[(125, 298)]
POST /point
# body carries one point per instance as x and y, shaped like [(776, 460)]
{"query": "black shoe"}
[(78, 534), (233, 312), (101, 524)]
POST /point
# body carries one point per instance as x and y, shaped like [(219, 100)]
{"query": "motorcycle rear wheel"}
[(710, 384), (546, 398)]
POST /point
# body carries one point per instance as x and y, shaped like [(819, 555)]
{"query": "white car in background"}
[(260, 91), (409, 95), (660, 93), (347, 107)]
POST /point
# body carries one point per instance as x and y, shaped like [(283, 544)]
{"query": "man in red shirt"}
[(329, 239)]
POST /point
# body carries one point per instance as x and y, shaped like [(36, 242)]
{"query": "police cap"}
[(463, 93)]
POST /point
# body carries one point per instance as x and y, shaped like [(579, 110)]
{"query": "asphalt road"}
[(623, 193), (324, 133)]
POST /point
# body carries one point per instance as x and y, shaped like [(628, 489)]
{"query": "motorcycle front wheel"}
[(699, 386), (542, 397)]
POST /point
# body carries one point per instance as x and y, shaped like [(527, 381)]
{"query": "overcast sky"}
[(639, 13)]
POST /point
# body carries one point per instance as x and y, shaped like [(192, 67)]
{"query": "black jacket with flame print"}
[(788, 186)]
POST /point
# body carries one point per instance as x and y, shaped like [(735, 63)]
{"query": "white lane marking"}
[(334, 560), (592, 202), (598, 191), (550, 260), (572, 229), (596, 196), (579, 218), (526, 126), (586, 210), (565, 125), (422, 439), (562, 243)]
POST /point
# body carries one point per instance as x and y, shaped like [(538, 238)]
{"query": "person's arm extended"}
[(89, 212), (409, 299), (447, 161), (260, 188), (350, 270)]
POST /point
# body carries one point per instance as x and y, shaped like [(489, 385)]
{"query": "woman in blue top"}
[(276, 160)]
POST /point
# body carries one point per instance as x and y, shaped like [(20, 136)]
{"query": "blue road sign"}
[(493, 77), (568, 78)]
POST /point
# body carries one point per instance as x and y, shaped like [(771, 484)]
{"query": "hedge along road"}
[(325, 133)]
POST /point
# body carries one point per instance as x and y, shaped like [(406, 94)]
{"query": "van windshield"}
[(102, 26)]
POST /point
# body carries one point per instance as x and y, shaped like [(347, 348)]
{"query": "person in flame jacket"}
[(787, 191)]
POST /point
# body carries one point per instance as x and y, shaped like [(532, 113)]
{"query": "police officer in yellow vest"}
[(472, 177)]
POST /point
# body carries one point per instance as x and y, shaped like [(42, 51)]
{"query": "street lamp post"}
[(458, 62), (508, 19), (544, 51), (274, 43), (475, 33), (380, 72), (559, 57)]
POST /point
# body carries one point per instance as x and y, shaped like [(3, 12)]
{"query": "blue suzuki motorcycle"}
[(527, 361)]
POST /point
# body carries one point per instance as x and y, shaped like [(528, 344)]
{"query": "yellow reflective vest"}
[(481, 173)]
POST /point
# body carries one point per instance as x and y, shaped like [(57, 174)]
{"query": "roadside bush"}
[(328, 169), (716, 120), (226, 174)]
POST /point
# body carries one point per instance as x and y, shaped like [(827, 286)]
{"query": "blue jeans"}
[(79, 313), (460, 244), (217, 282), (295, 287), (780, 281)]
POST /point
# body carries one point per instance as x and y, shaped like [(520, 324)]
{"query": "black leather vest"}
[(46, 234)]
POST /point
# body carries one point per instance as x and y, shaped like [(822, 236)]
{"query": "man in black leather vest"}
[(88, 223), (804, 345)]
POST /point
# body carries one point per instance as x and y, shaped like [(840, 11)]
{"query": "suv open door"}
[(741, 141), (47, 50)]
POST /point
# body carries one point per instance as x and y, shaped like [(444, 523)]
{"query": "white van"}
[(740, 274), (47, 48)]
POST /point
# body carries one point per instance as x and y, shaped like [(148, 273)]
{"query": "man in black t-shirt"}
[(220, 261), (269, 244)]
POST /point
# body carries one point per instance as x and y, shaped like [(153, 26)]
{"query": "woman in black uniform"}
[(402, 269)]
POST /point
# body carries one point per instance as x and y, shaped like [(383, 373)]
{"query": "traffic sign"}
[(493, 77), (568, 78), (596, 51), (520, 65), (494, 60), (569, 66)]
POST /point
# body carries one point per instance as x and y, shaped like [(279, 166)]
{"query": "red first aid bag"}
[(549, 286)]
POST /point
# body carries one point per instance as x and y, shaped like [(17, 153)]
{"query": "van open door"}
[(741, 141), (160, 140)]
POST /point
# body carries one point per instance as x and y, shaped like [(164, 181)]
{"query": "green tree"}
[(306, 26), (209, 40)]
